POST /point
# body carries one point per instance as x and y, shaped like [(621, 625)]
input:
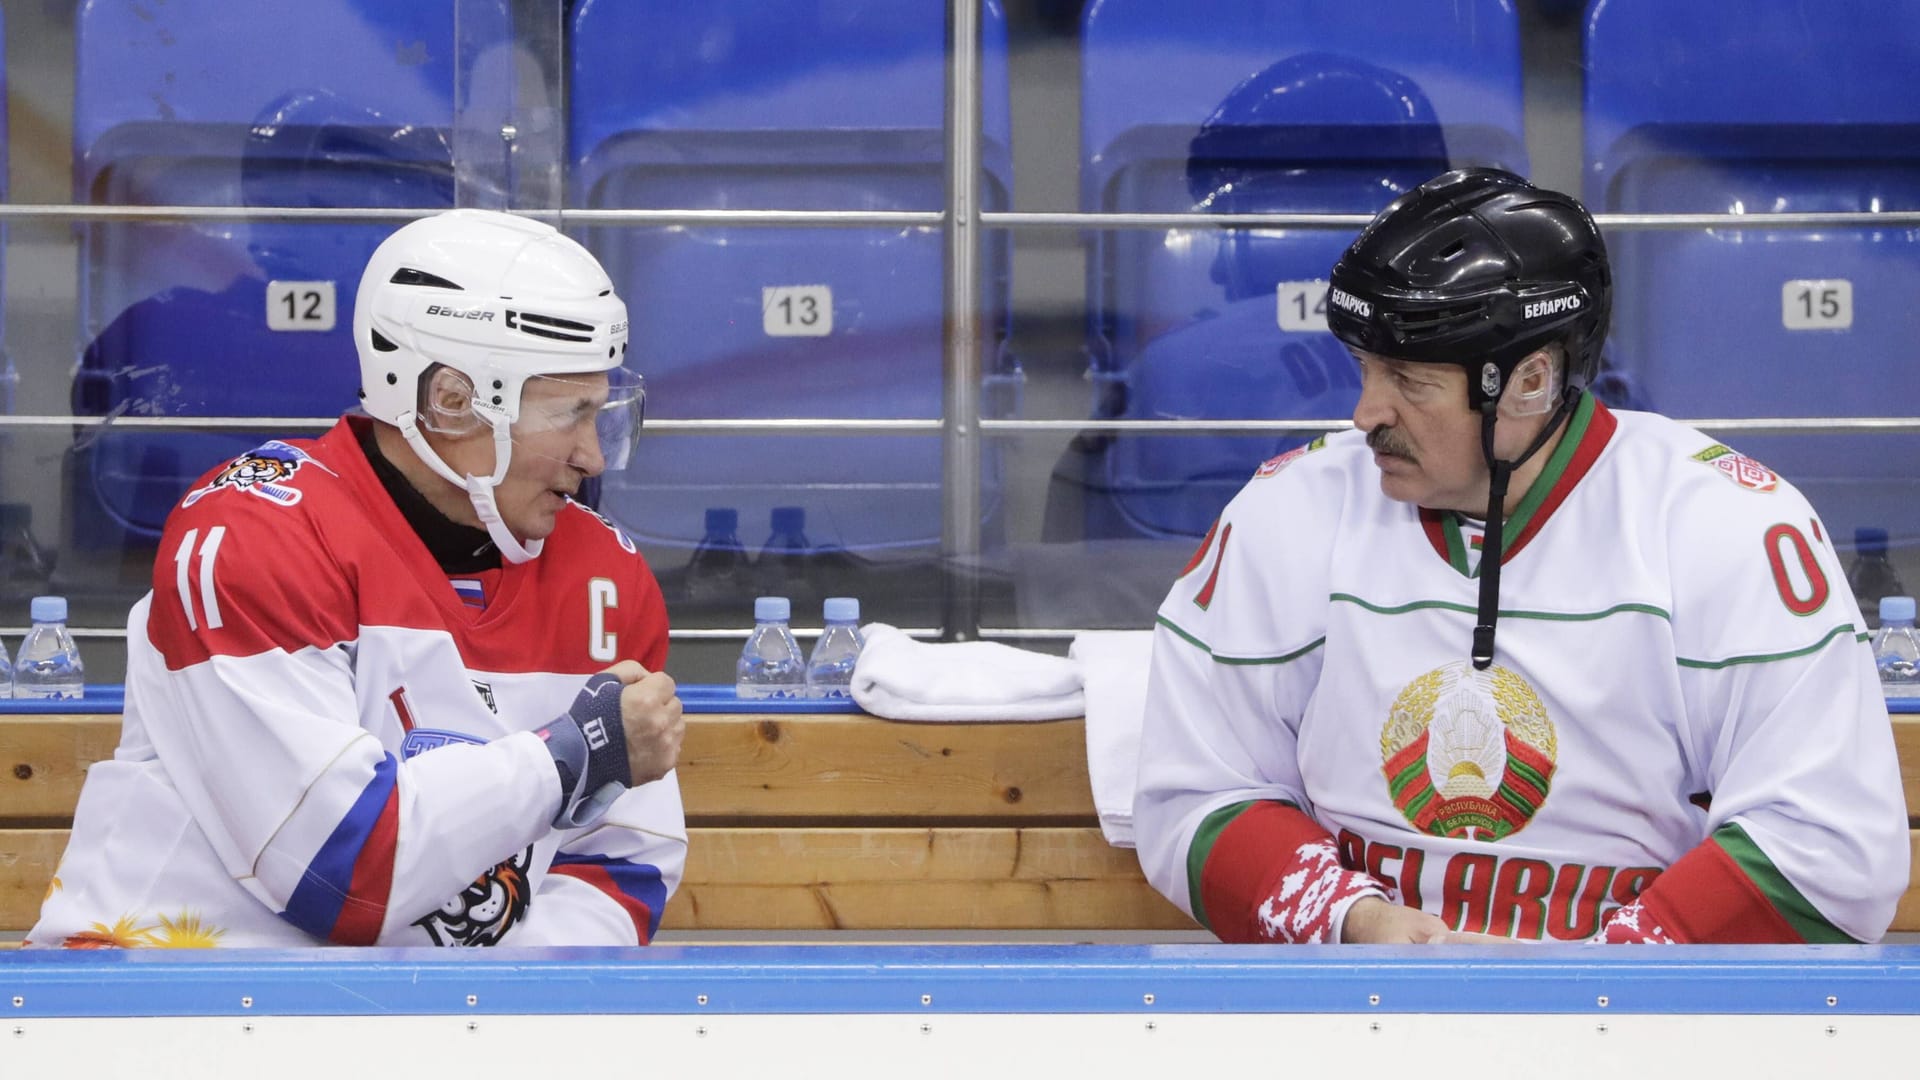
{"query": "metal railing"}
[(924, 219), (826, 425)]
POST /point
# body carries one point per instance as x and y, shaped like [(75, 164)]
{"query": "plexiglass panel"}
[(814, 275)]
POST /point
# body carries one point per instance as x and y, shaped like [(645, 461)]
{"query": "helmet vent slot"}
[(1433, 319), (381, 344), (549, 326), (407, 275)]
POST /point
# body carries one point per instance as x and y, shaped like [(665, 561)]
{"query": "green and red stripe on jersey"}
[(1726, 891), (1589, 430), (1239, 857)]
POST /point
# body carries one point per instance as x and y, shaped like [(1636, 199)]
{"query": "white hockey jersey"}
[(327, 740), (1679, 666)]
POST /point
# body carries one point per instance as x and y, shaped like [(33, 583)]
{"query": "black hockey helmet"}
[(1476, 267)]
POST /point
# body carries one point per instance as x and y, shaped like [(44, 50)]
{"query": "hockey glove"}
[(589, 748)]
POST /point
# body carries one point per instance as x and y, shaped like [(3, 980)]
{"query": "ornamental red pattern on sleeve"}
[(1681, 738), (326, 742)]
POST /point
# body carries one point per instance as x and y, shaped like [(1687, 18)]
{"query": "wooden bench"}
[(797, 821), (803, 823)]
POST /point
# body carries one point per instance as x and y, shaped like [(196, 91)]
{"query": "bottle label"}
[(757, 692)]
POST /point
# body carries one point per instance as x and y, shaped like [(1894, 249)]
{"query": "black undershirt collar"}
[(459, 549)]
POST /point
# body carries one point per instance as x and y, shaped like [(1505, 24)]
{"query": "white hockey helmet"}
[(499, 298)]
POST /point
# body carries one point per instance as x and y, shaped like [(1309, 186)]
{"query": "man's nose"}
[(1374, 408), (587, 456)]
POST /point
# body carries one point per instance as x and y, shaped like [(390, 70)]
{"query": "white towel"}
[(1113, 668), (903, 679)]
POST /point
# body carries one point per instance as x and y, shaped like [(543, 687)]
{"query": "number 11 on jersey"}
[(182, 584)]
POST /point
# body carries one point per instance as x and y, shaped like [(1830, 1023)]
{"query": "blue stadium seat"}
[(802, 105), (1243, 106), (329, 103), (1741, 106)]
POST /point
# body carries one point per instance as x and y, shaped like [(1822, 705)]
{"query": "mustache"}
[(1388, 440)]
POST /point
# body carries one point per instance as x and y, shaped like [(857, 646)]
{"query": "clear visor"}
[(556, 412)]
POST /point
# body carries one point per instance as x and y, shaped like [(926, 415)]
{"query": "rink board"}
[(848, 1011)]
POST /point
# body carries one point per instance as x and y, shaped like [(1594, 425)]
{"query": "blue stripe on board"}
[(719, 698), (95, 698), (1567, 979), (316, 901), (695, 697)]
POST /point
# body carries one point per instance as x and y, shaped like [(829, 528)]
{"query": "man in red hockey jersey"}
[(393, 685)]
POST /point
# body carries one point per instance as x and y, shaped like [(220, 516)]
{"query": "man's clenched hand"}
[(650, 710)]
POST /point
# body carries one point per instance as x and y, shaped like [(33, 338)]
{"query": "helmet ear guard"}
[(448, 404), (1544, 396)]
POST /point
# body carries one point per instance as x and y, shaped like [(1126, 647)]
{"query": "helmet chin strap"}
[(479, 489), (1492, 548)]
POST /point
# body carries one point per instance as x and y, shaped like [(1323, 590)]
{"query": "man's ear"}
[(1535, 385), (449, 403), (1536, 371)]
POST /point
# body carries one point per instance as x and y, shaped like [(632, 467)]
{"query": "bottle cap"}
[(1868, 540), (722, 520), (842, 609), (772, 609), (48, 609), (1892, 609), (789, 519)]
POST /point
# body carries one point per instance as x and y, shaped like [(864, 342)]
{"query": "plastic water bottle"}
[(49, 663), (1896, 649), (719, 565), (830, 665), (770, 665), (6, 673), (1872, 575)]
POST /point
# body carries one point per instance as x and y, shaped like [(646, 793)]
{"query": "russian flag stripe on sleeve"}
[(636, 887), (343, 894)]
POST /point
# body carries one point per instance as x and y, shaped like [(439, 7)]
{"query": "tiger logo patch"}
[(263, 471)]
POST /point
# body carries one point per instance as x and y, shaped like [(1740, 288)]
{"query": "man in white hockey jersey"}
[(392, 684), (1675, 735)]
